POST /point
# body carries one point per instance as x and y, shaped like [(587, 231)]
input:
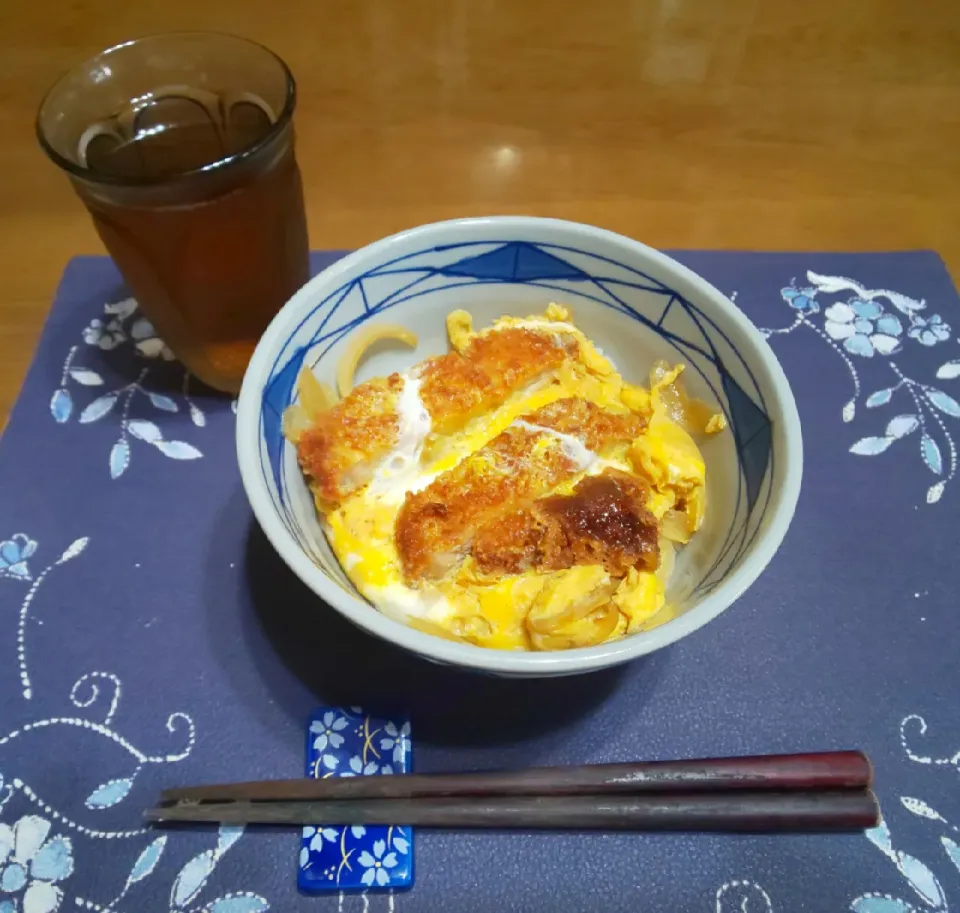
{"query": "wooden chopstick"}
[(752, 812), (822, 771)]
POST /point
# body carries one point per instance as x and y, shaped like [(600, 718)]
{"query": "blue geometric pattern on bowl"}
[(575, 275), (348, 743)]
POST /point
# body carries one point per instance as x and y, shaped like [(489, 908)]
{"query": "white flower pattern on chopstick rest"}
[(122, 328), (396, 741), (36, 860), (377, 865), (327, 731), (861, 326)]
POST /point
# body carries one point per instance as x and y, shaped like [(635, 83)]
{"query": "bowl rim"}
[(777, 520)]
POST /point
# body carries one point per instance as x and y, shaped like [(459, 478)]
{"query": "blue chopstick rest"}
[(349, 743)]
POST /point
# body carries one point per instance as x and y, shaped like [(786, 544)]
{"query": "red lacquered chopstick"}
[(837, 810), (821, 771)]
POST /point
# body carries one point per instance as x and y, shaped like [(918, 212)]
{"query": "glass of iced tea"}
[(181, 147)]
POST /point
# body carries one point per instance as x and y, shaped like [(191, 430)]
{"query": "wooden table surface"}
[(763, 124)]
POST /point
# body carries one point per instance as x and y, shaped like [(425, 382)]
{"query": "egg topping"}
[(544, 518)]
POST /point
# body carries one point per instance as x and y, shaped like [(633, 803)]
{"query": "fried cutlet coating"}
[(341, 451), (604, 520), (436, 526)]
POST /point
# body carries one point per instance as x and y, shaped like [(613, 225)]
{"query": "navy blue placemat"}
[(150, 636)]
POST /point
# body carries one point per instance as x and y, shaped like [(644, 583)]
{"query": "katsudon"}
[(515, 493)]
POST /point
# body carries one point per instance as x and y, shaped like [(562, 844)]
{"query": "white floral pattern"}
[(861, 326), (929, 332), (356, 857), (739, 896), (378, 865), (104, 335), (317, 835), (121, 324), (397, 742), (357, 768), (327, 731), (31, 865), (919, 877), (14, 553), (36, 860), (122, 327)]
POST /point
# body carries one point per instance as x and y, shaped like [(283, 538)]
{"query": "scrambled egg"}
[(535, 609)]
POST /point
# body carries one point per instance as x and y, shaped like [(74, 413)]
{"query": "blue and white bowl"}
[(638, 305)]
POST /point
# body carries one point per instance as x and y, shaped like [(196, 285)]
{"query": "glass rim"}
[(218, 165)]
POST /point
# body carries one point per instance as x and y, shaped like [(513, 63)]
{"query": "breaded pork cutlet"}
[(604, 520), (342, 449), (436, 526)]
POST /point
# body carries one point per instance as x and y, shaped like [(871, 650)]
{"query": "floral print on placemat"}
[(38, 842), (923, 889), (874, 325), (868, 345), (84, 394)]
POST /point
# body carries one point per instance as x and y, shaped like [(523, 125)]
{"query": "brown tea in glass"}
[(181, 147)]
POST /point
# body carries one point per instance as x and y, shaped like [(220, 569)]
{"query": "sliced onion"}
[(471, 627), (315, 397), (672, 400), (295, 422), (668, 560), (605, 619), (431, 627), (660, 369), (358, 346), (540, 622), (675, 526), (696, 507), (550, 642), (696, 415), (588, 631), (693, 415)]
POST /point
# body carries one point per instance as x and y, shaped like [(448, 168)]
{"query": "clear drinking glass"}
[(181, 147)]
